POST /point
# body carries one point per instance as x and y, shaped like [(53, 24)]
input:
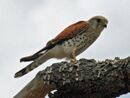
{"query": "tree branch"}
[(86, 79)]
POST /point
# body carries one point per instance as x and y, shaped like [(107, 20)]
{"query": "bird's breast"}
[(80, 42)]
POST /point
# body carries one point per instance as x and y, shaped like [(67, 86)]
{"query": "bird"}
[(71, 42)]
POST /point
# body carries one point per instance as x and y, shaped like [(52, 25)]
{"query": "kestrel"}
[(71, 42)]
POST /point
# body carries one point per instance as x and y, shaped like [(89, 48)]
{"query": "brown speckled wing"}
[(69, 32)]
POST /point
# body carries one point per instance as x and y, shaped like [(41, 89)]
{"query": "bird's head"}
[(98, 22)]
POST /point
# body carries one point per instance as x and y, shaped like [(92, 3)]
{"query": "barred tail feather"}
[(44, 57)]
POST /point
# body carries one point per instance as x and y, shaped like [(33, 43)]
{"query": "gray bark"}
[(85, 79)]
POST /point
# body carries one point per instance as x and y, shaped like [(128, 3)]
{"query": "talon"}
[(73, 61)]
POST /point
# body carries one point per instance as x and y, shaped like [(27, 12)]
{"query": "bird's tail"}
[(41, 59)]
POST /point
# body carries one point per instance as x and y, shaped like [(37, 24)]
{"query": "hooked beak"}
[(105, 25)]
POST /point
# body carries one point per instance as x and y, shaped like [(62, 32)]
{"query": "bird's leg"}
[(73, 59)]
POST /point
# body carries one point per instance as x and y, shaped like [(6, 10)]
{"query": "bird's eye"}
[(98, 20)]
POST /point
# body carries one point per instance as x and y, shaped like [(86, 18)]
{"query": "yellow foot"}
[(73, 61)]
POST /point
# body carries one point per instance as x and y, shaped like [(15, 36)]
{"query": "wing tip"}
[(21, 60), (28, 58)]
